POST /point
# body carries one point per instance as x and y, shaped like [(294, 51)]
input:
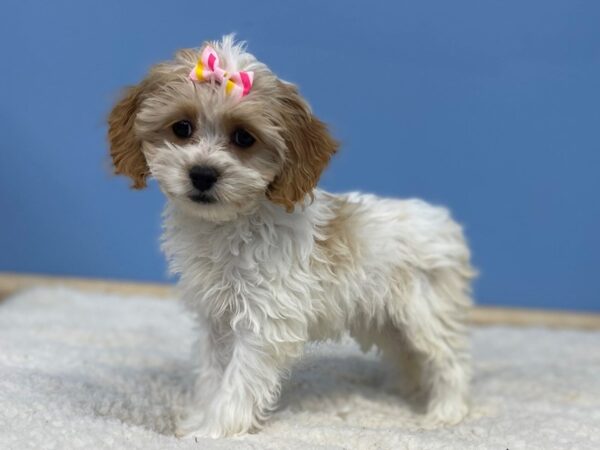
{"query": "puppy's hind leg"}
[(432, 323), (404, 361)]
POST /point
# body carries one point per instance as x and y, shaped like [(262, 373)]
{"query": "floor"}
[(83, 370)]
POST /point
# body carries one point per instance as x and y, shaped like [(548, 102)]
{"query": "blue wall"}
[(489, 107)]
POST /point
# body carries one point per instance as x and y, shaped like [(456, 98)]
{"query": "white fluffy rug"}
[(94, 371)]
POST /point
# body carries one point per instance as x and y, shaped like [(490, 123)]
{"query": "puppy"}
[(268, 262)]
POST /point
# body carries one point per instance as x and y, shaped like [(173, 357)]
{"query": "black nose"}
[(203, 177)]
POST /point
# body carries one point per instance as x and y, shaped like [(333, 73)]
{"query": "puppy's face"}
[(214, 155)]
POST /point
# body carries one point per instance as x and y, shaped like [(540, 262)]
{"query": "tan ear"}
[(309, 149), (125, 147)]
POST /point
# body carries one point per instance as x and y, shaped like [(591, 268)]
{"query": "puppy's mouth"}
[(202, 198)]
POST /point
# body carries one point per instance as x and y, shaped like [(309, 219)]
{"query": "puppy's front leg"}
[(249, 387), (212, 348)]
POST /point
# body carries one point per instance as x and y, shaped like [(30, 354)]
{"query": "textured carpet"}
[(94, 371)]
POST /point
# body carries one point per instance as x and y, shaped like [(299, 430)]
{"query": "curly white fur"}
[(263, 279), (261, 288)]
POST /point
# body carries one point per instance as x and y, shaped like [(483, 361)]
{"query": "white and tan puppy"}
[(268, 262)]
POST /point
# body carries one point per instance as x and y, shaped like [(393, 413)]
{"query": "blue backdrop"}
[(489, 107)]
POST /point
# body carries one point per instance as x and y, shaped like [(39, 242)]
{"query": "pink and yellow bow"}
[(237, 84)]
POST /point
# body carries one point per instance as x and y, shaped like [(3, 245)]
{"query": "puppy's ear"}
[(125, 147), (309, 149)]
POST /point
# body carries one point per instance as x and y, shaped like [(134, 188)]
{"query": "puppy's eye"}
[(242, 139), (183, 129)]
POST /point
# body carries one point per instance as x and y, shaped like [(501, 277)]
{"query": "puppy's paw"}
[(200, 432), (197, 427), (191, 427), (445, 413)]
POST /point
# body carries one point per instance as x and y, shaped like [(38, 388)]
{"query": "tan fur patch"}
[(337, 242), (310, 147), (125, 147)]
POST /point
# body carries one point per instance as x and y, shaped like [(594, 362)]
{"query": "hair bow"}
[(237, 84)]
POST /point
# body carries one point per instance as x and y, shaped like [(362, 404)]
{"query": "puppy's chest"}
[(227, 266)]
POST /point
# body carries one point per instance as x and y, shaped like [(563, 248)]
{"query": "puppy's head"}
[(215, 155)]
